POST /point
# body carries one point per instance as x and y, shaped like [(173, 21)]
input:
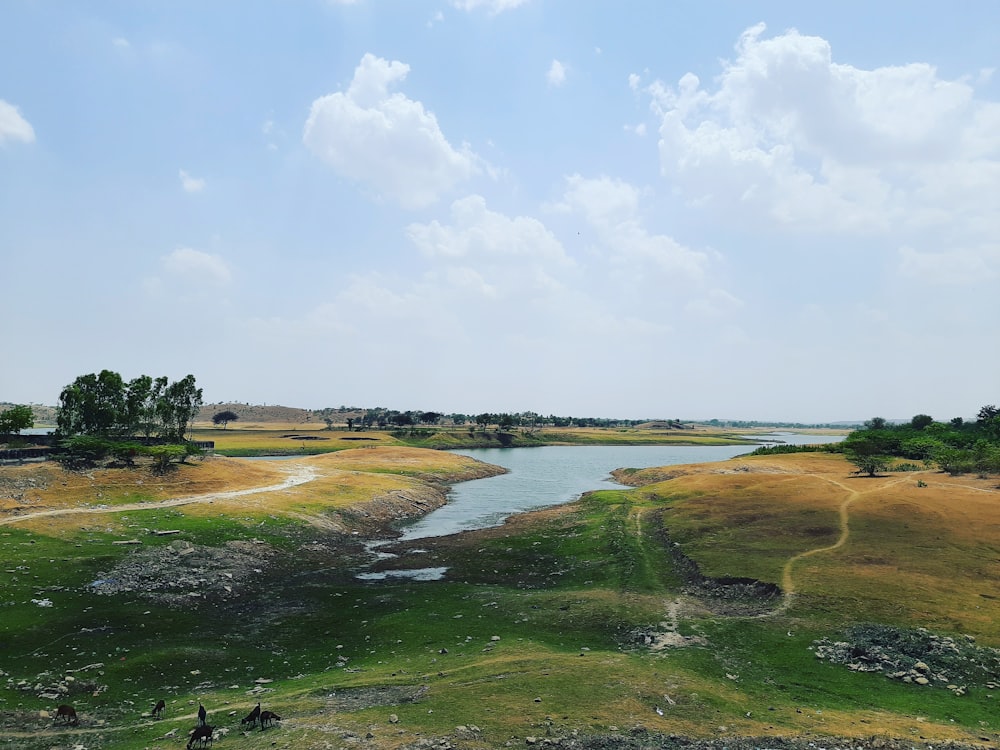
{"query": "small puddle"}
[(418, 574)]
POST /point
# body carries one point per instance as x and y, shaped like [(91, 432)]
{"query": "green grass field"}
[(540, 628)]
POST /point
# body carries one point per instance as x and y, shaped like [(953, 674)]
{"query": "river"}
[(552, 475)]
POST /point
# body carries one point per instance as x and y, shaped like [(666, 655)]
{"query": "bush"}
[(82, 450)]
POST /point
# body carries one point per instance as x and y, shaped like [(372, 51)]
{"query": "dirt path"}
[(297, 474), (843, 511)]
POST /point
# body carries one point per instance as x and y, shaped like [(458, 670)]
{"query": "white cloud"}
[(191, 184), (121, 42), (488, 252), (557, 74), (13, 127), (197, 266), (386, 140), (611, 207), (493, 6), (633, 81), (788, 138)]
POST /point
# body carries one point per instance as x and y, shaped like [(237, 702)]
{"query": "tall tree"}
[(93, 405), (176, 408)]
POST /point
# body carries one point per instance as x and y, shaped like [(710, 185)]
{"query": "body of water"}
[(552, 475)]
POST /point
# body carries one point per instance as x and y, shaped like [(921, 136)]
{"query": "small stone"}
[(393, 719)]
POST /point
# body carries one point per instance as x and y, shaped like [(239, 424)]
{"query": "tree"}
[(870, 450), (224, 418), (920, 421), (139, 411), (15, 419), (93, 404), (876, 423), (176, 408)]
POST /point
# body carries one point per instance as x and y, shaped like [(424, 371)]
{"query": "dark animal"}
[(202, 734), (158, 710), (201, 715), (267, 718), (68, 713), (252, 717)]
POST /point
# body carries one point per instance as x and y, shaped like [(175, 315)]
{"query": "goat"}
[(202, 734), (201, 715), (267, 718), (68, 713), (252, 717), (157, 712)]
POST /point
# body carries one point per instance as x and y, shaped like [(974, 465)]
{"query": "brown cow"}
[(68, 713)]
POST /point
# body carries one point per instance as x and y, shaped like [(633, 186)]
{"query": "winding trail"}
[(843, 512), (297, 474)]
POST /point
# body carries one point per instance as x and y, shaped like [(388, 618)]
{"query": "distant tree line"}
[(956, 446), (383, 418)]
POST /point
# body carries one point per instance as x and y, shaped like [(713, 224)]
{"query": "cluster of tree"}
[(101, 415), (15, 419), (104, 405), (955, 446)]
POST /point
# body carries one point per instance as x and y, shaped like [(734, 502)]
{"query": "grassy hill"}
[(772, 597)]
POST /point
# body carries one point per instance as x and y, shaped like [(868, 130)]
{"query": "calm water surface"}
[(552, 475)]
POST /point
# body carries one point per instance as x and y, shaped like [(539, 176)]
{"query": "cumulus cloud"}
[(492, 6), (611, 207), (191, 184), (13, 127), (789, 137), (489, 253), (386, 140), (557, 74), (197, 266)]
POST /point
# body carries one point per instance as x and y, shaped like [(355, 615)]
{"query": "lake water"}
[(552, 475)]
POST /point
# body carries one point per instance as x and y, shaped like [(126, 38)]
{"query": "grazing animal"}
[(202, 734), (267, 718), (68, 713), (252, 717), (158, 710), (201, 715)]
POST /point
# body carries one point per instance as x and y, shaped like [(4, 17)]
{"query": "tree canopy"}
[(15, 419), (956, 446), (224, 418), (104, 405)]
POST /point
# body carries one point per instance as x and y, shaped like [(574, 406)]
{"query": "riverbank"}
[(312, 440)]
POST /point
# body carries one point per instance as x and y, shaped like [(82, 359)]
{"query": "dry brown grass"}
[(307, 488), (881, 548)]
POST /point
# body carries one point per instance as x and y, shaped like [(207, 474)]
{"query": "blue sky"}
[(643, 209)]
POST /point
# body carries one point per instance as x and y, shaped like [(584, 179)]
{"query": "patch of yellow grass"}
[(878, 548)]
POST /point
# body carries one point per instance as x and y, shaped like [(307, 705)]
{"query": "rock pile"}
[(916, 656)]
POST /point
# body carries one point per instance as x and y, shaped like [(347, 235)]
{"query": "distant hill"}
[(263, 414), (44, 415)]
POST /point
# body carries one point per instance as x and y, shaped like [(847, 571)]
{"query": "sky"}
[(775, 211)]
